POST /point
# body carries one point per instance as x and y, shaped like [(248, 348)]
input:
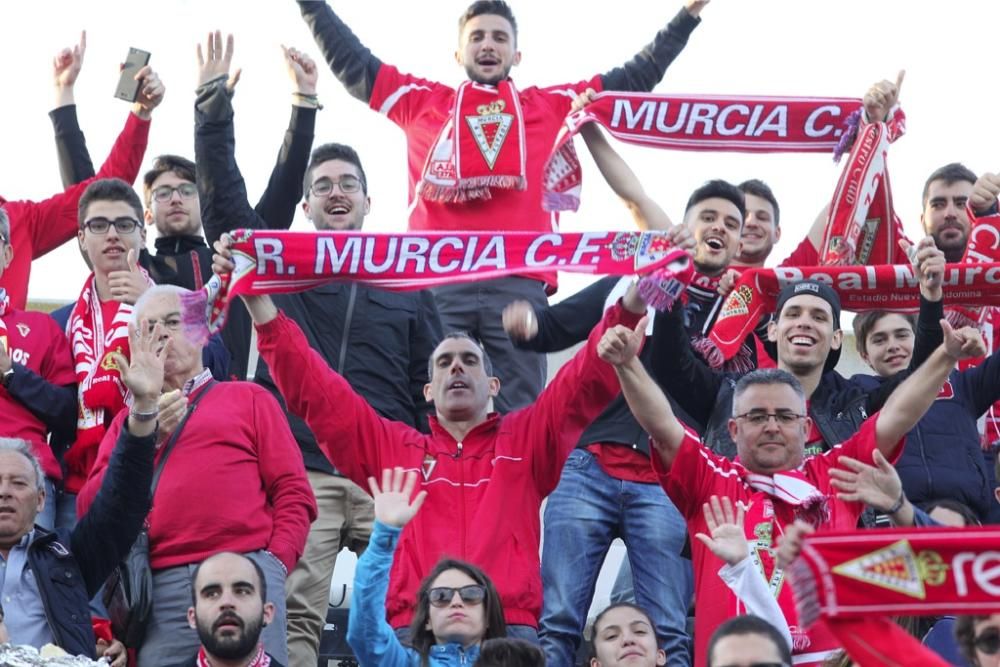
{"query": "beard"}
[(232, 647), (475, 77)]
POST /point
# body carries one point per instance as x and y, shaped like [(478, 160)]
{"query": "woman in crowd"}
[(624, 635), (457, 605)]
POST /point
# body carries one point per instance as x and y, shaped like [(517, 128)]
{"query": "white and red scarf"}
[(793, 488), (4, 308), (276, 261), (481, 146), (695, 123), (922, 572), (260, 658), (100, 390)]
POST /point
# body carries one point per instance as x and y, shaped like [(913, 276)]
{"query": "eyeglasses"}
[(166, 192), (471, 594), (761, 417), (988, 642), (172, 323), (102, 225), (324, 186)]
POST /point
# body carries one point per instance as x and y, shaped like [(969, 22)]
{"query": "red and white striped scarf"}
[(260, 659), (4, 307)]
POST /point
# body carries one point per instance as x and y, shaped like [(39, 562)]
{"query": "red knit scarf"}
[(260, 659), (481, 146), (274, 261), (924, 572), (862, 227), (695, 123)]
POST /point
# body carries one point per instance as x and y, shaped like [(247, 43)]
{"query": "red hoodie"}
[(484, 493)]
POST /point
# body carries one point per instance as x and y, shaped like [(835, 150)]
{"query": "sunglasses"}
[(988, 642), (443, 595)]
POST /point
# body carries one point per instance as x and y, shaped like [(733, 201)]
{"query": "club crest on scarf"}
[(897, 568), (490, 128)]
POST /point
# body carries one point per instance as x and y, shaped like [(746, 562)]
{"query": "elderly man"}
[(48, 578), (229, 611), (235, 481), (773, 479)]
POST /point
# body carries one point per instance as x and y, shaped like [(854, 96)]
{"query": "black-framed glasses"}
[(166, 192), (761, 417), (102, 225), (443, 595), (988, 641), (324, 186)]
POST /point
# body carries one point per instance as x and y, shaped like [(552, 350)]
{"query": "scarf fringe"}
[(709, 351), (806, 596)]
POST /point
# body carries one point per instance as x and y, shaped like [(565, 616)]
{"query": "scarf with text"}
[(276, 261), (101, 393), (861, 288), (260, 658), (922, 572), (472, 153), (4, 307), (695, 123), (862, 227)]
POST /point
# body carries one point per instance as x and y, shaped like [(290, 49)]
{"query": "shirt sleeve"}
[(804, 255), (746, 583), (402, 97), (687, 482)]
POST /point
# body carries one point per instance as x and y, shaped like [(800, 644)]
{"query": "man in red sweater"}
[(234, 481), (486, 474)]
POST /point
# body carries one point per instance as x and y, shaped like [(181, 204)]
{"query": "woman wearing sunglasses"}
[(979, 639), (457, 605)]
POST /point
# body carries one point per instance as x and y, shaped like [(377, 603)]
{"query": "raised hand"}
[(964, 343), (878, 485), (791, 541), (928, 266), (215, 60), (727, 282), (222, 259), (393, 506), (619, 344), (725, 537), (985, 192), (582, 100), (66, 68), (128, 286), (302, 70), (151, 92), (172, 407), (882, 97), (694, 7), (519, 321), (142, 373), (681, 237)]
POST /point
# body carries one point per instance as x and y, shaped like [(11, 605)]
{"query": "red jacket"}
[(234, 481), (484, 493), (37, 228)]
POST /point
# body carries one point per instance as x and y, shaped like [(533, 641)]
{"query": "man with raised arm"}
[(773, 480), (475, 155)]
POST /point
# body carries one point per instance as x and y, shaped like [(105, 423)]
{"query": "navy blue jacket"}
[(942, 457), (71, 566)]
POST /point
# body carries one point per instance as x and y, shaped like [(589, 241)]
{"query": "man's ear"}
[(494, 386), (732, 429), (428, 396), (269, 611), (517, 59), (772, 330), (777, 233), (837, 340), (148, 217), (192, 619)]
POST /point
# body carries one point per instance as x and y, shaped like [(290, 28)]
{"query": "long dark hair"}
[(422, 639)]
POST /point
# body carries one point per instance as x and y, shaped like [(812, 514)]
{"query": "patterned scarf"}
[(4, 307), (260, 659), (471, 153)]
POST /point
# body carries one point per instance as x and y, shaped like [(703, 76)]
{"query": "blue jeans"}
[(585, 513)]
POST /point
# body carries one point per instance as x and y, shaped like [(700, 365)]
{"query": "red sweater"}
[(484, 493), (37, 228), (234, 481)]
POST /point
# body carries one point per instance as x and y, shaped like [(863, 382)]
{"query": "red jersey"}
[(697, 474), (35, 341), (421, 108)]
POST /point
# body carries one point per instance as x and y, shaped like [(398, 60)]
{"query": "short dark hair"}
[(721, 189), (328, 152), (421, 638), (750, 625), (955, 506), (481, 7), (610, 608), (866, 321), (465, 335), (108, 189), (767, 376), (759, 188), (509, 652), (163, 164), (950, 173), (261, 580)]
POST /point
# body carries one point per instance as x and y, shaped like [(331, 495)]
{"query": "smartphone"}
[(128, 87)]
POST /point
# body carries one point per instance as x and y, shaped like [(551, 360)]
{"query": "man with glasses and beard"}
[(229, 611)]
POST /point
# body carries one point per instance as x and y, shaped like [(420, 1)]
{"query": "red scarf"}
[(4, 308), (695, 123), (274, 261), (260, 659), (100, 390), (481, 146), (922, 572), (861, 288)]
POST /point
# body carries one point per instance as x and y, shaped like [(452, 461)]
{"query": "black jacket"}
[(838, 406), (69, 576), (353, 63), (379, 341)]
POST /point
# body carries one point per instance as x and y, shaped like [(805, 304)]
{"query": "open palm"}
[(392, 502)]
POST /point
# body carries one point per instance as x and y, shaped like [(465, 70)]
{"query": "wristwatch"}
[(7, 377)]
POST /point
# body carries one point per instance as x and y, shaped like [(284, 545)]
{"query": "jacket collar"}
[(490, 424), (175, 245)]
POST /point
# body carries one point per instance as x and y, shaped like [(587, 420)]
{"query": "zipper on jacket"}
[(459, 452), (347, 328), (461, 480)]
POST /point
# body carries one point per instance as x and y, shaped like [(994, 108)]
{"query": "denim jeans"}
[(585, 513)]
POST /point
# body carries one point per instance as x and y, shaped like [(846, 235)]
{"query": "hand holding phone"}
[(128, 85)]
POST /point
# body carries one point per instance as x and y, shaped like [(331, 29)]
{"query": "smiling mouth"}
[(802, 341), (715, 243), (339, 209)]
